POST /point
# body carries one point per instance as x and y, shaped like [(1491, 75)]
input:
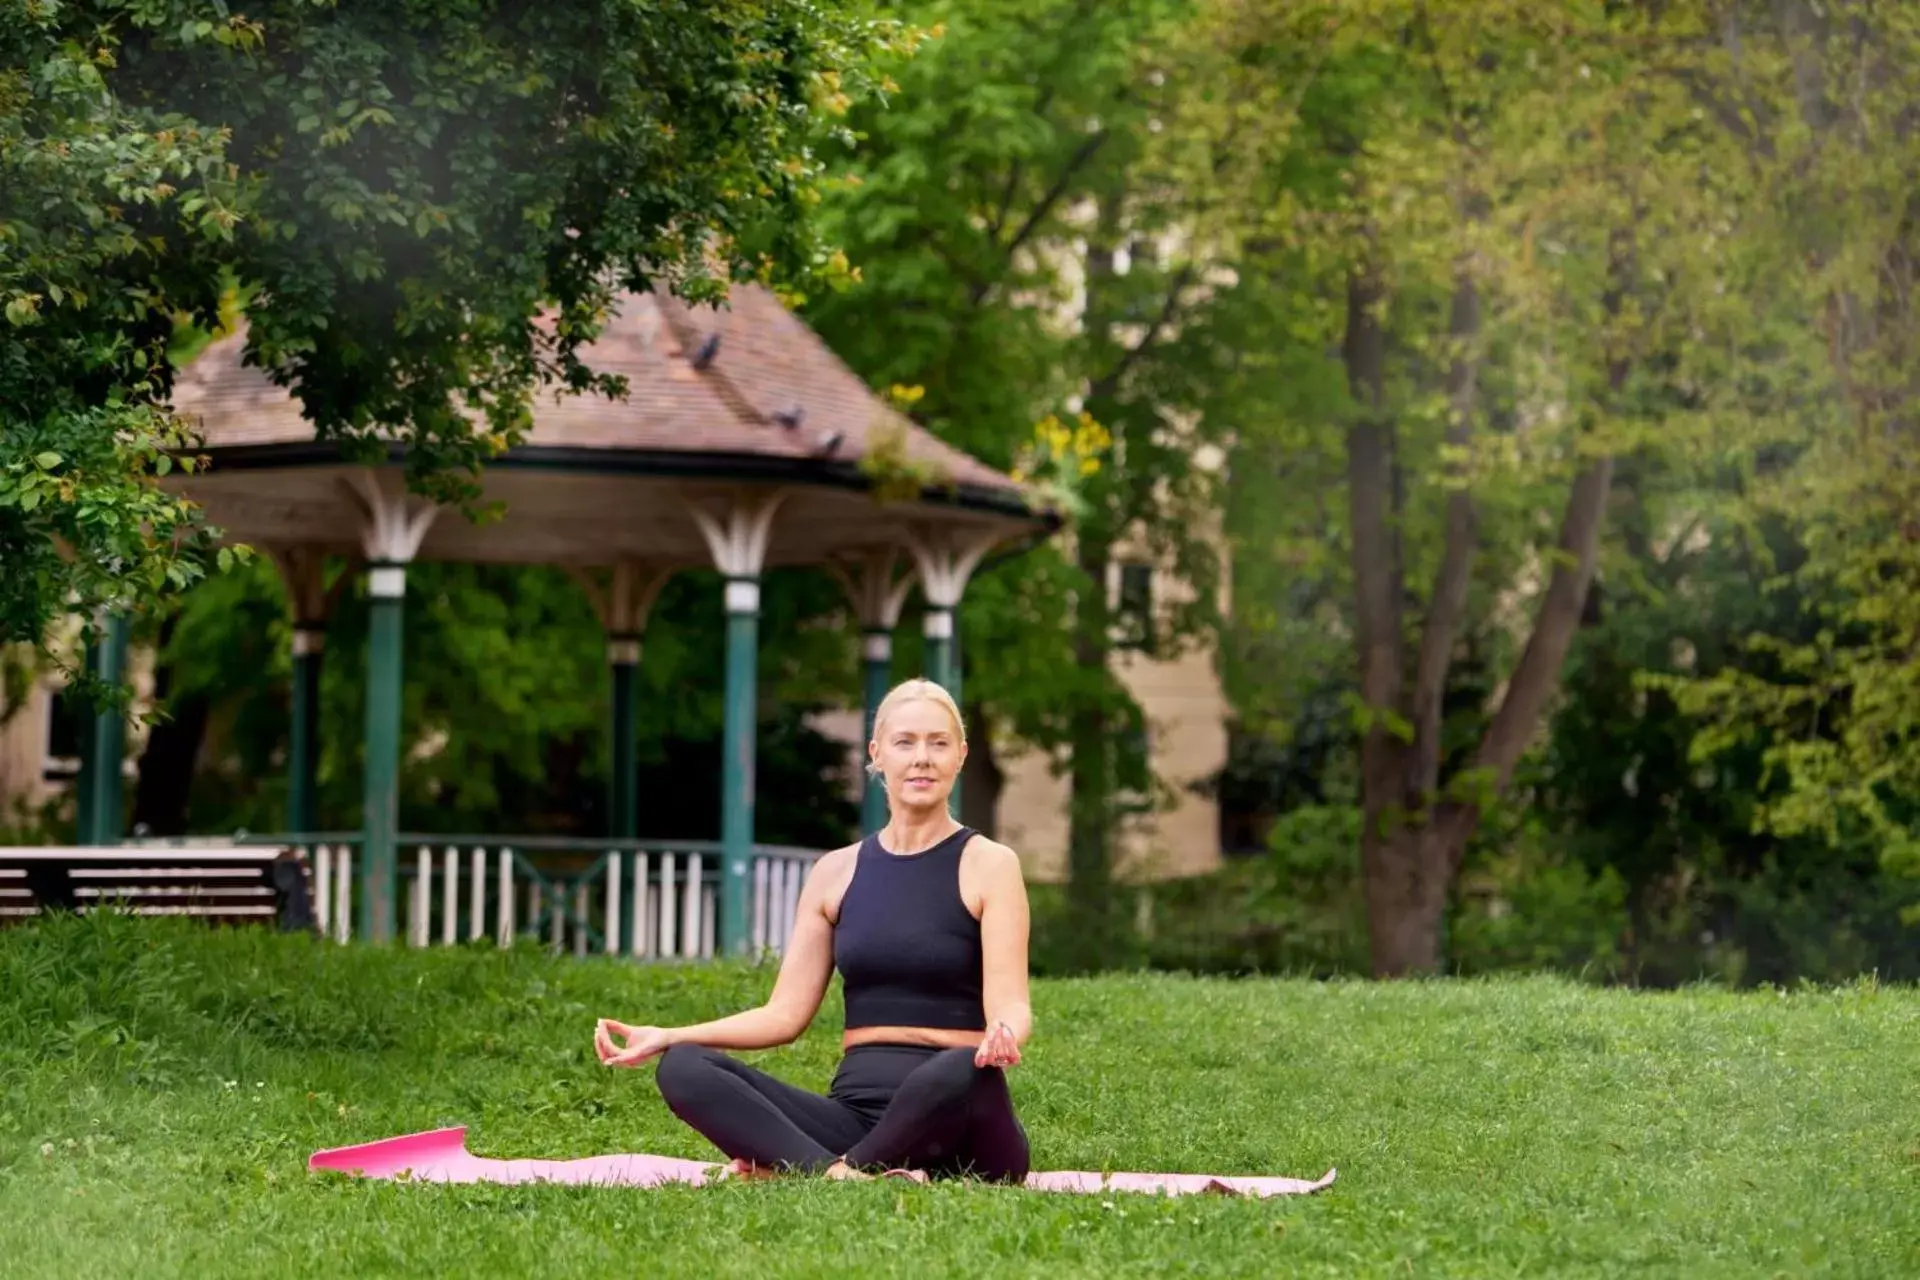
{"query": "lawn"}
[(161, 1087)]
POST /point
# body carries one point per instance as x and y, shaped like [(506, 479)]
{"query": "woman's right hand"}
[(641, 1044)]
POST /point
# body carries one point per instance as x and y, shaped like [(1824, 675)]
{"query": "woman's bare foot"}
[(838, 1171), (911, 1175)]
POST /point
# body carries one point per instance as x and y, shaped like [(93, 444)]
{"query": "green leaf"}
[(46, 461)]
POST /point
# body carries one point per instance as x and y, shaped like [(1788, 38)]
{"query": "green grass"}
[(161, 1087)]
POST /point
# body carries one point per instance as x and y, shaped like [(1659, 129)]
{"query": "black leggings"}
[(890, 1107)]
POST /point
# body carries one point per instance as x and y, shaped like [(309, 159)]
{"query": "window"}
[(1133, 768), (63, 737), (1135, 608)]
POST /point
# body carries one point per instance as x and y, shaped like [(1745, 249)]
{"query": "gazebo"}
[(743, 444)]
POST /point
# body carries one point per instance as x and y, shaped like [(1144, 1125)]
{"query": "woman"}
[(926, 921)]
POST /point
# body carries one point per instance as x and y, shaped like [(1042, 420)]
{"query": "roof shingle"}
[(768, 363)]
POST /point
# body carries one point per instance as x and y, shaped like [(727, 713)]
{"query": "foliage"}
[(142, 1064), (95, 193), (506, 706), (1563, 251), (1024, 260), (428, 208), (1812, 375), (423, 181)]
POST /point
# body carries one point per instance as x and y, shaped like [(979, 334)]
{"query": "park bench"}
[(222, 883)]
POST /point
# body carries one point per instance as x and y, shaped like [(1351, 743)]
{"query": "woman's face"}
[(919, 752)]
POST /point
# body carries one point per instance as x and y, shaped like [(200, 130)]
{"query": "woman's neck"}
[(916, 833)]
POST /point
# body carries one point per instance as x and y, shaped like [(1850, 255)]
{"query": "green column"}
[(956, 678), (623, 793), (939, 633), (303, 748), (876, 670), (956, 663), (736, 772), (380, 776), (943, 668), (99, 810)]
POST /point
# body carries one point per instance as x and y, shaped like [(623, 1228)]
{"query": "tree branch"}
[(1538, 672), (1110, 381), (1376, 569), (1077, 161), (1448, 606)]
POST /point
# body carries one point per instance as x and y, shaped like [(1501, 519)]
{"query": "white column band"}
[(743, 595), (939, 624), (624, 651), (877, 647), (387, 581), (308, 640)]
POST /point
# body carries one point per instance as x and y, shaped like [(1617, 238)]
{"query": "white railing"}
[(641, 903), (646, 902)]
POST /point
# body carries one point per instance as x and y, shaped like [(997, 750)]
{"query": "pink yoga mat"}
[(441, 1155)]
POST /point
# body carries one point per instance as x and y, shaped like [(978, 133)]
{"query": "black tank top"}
[(907, 948)]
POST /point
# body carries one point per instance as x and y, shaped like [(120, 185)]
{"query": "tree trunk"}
[(1090, 727), (983, 778), (1389, 843), (1089, 855), (1562, 608), (1414, 835), (1407, 887)]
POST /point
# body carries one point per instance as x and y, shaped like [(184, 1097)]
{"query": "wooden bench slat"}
[(217, 884), (163, 892), (113, 853), (88, 875)]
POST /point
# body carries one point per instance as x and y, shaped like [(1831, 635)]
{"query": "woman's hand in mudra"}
[(999, 1049), (641, 1044)]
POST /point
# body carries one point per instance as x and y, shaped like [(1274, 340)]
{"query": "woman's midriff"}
[(936, 1037)]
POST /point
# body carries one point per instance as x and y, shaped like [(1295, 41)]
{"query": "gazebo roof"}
[(745, 396)]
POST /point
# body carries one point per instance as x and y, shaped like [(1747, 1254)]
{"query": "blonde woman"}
[(926, 922)]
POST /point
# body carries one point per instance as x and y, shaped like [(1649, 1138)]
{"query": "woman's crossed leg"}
[(751, 1116), (947, 1117)]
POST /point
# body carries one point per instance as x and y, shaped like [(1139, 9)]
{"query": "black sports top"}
[(907, 948)]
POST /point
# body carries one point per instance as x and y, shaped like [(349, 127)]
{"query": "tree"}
[(1459, 178), (1025, 257), (399, 193), (92, 193), (1822, 101)]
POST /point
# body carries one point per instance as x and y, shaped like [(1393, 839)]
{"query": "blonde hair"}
[(915, 690)]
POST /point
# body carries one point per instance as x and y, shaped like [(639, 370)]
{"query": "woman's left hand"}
[(999, 1049)]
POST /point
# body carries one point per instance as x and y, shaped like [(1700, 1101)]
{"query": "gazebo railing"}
[(643, 899), (639, 898)]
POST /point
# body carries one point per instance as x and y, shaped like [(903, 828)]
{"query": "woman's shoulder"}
[(831, 874), (990, 855), (837, 862)]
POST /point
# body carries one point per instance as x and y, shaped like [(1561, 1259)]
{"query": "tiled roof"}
[(768, 364)]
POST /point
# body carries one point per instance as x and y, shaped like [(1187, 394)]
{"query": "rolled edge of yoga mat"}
[(389, 1156)]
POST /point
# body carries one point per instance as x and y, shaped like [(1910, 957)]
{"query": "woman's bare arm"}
[(1004, 926)]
